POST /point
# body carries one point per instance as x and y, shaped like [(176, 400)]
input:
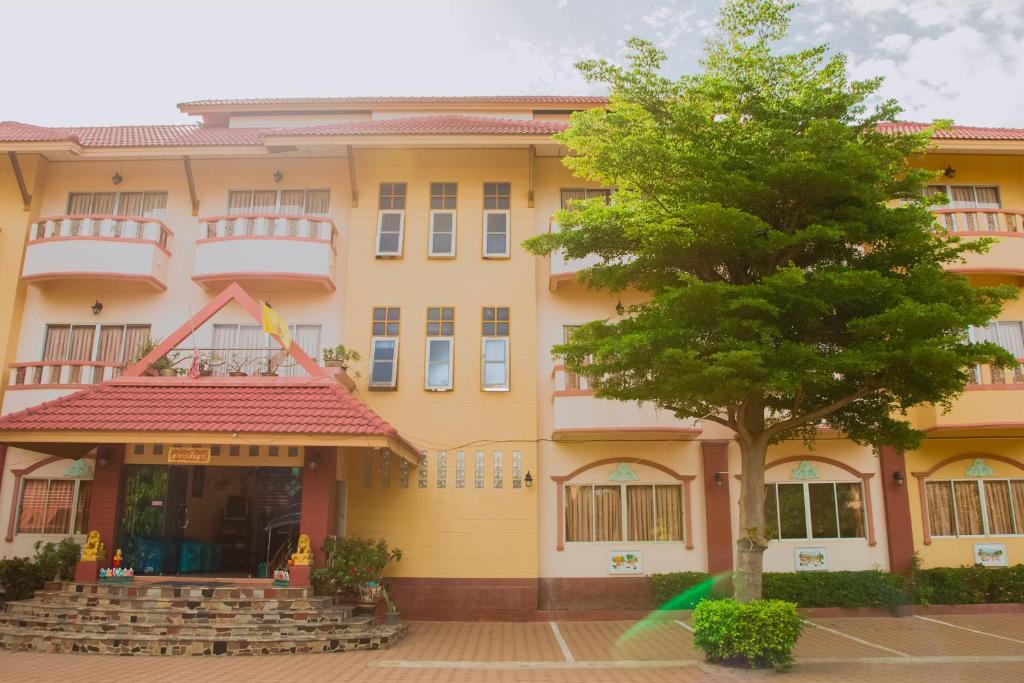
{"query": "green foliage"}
[(57, 560), (354, 562), (836, 589), (667, 589), (21, 576), (760, 633), (969, 585)]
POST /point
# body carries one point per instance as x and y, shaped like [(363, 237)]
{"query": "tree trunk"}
[(750, 542)]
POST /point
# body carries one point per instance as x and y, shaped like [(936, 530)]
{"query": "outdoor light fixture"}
[(278, 176), (97, 307), (619, 308), (314, 462), (897, 477), (949, 172), (117, 179), (101, 459), (719, 480), (528, 479)]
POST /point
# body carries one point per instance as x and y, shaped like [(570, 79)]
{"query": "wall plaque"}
[(190, 455)]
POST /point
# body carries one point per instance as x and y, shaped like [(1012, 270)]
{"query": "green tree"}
[(793, 275)]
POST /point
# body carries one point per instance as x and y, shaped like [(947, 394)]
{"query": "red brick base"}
[(298, 576), (87, 571), (464, 599), (595, 593)]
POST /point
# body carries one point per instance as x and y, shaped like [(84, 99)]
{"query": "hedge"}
[(760, 633), (967, 585)]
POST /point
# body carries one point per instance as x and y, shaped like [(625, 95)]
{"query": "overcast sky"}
[(95, 62)]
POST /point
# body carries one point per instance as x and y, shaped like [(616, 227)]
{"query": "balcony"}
[(579, 416), (280, 249), (29, 384), (992, 403), (84, 248), (1005, 256)]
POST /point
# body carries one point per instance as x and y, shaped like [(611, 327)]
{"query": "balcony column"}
[(319, 491), (104, 505), (717, 508), (899, 533)]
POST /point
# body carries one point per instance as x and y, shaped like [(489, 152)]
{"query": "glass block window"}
[(385, 469), (499, 469), (367, 468), (403, 473), (460, 469), (478, 470), (421, 471), (517, 469), (442, 469)]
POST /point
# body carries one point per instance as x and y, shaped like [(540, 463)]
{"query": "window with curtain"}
[(248, 348), (571, 195), (966, 197), (819, 510), (101, 343), (976, 507), (147, 204), (295, 202), (623, 512), (53, 506)]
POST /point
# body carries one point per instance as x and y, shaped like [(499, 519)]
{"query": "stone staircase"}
[(186, 618)]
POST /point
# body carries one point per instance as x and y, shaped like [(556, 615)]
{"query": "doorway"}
[(208, 520)]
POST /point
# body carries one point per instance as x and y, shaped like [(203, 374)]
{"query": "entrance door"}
[(176, 558)]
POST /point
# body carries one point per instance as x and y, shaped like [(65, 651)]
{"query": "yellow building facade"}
[(133, 263)]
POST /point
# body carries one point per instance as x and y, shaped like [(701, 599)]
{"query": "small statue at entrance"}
[(116, 562), (303, 555), (93, 549)]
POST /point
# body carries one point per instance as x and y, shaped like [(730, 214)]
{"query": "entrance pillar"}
[(319, 488), (899, 533), (717, 510), (103, 505)]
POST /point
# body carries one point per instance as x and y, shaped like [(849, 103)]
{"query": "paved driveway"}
[(989, 648)]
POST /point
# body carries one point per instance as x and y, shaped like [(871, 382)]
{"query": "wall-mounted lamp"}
[(528, 479), (278, 176), (117, 179), (619, 308), (719, 479), (897, 477), (949, 172), (313, 461), (97, 307), (101, 459)]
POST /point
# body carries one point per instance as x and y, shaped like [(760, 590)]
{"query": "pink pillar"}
[(103, 506), (319, 491), (899, 533), (717, 509)]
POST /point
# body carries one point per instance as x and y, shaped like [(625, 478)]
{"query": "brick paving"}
[(511, 653)]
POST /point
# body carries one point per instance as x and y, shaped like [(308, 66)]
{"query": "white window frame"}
[(508, 233), (277, 199), (426, 364), (73, 513), (807, 511), (484, 362), (393, 382), (401, 233), (430, 237), (624, 510)]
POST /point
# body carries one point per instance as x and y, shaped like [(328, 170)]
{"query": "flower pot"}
[(333, 364), (206, 373), (168, 372), (268, 374), (393, 618), (238, 374)]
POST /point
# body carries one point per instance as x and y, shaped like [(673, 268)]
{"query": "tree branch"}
[(814, 415)]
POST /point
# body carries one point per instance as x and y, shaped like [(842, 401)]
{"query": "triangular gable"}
[(234, 292)]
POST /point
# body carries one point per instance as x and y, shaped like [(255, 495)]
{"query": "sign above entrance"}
[(192, 455)]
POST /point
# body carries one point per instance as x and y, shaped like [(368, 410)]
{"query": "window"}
[(145, 204), (391, 220), (54, 506), (1008, 334), (293, 202), (497, 202), (572, 380), (442, 219), (495, 330), (440, 342), (113, 344), (247, 348), (384, 347), (572, 195), (825, 509), (623, 512), (965, 198), (975, 507)]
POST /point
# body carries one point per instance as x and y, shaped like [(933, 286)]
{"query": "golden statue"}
[(93, 549), (303, 555)]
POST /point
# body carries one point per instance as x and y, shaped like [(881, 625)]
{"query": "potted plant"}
[(165, 366), (205, 366), (392, 617), (354, 568), (268, 368), (235, 363), (339, 356)]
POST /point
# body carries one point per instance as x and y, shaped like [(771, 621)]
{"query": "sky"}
[(104, 62)]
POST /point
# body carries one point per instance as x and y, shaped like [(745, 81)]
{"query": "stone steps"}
[(214, 603), (356, 625), (31, 609), (182, 589), (41, 640)]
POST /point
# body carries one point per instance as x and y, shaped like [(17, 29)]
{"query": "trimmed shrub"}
[(759, 634), (968, 585), (836, 589), (20, 577)]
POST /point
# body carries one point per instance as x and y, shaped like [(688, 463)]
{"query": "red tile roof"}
[(295, 405), (430, 125), (472, 99), (954, 132)]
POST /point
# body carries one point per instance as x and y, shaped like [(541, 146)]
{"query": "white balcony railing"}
[(980, 220), (62, 373), (103, 227), (994, 376), (266, 247)]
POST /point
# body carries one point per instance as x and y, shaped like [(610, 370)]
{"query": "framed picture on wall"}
[(811, 559), (990, 554), (625, 562)]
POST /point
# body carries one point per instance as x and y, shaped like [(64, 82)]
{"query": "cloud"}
[(896, 42)]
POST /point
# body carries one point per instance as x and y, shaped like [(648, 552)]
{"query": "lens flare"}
[(712, 587)]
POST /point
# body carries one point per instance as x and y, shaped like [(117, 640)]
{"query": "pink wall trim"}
[(18, 474), (86, 275), (327, 282), (104, 216), (101, 238), (287, 238), (685, 479), (975, 425)]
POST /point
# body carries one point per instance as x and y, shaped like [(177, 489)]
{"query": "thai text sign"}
[(181, 455)]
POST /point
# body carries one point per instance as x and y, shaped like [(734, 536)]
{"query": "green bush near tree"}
[(837, 589), (21, 576), (967, 585), (760, 633)]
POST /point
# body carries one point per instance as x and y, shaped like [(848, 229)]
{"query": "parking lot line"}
[(856, 639), (566, 652), (684, 625), (972, 630)]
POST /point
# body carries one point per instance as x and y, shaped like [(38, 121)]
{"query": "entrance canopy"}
[(301, 411)]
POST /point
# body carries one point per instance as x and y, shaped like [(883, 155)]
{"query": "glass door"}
[(142, 517), (174, 561)]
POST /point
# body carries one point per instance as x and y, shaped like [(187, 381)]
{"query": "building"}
[(394, 226)]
